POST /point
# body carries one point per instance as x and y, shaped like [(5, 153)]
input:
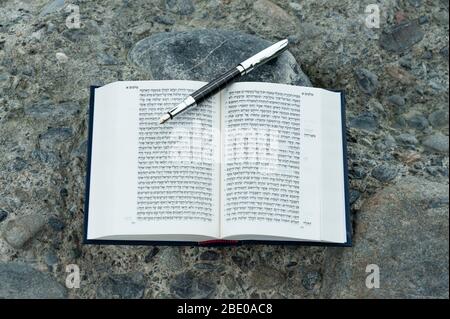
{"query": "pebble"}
[(365, 121), (401, 37), (17, 164), (20, 280), (204, 266), (273, 14), (400, 74), (61, 57), (423, 19), (164, 19), (265, 277), (385, 173), (209, 255), (407, 139), (438, 118), (358, 172), (106, 59), (152, 253), (397, 100), (45, 109), (56, 224), (3, 215), (353, 196), (417, 121), (46, 157), (437, 142), (415, 3), (170, 258), (188, 285), (181, 7), (51, 258), (367, 81), (122, 286), (311, 279), (52, 7), (20, 230), (54, 136)]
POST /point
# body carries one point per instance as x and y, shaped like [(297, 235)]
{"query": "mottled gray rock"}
[(404, 230), (46, 109), (51, 7), (20, 281), (265, 277), (354, 195), (364, 121), (268, 14), (385, 173), (311, 280), (152, 253), (56, 224), (417, 121), (367, 81), (54, 136), (20, 230), (46, 157), (175, 55), (438, 118), (397, 100), (437, 142), (402, 37), (122, 286), (408, 139), (3, 214), (191, 286), (181, 7), (164, 19), (209, 255), (170, 259)]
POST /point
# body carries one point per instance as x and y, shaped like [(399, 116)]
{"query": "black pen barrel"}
[(216, 85)]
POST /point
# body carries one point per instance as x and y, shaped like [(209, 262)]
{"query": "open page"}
[(152, 181), (272, 167)]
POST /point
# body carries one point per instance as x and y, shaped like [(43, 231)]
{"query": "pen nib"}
[(164, 118)]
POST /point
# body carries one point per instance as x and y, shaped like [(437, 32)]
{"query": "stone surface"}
[(20, 230), (45, 73), (3, 215), (20, 281), (438, 118), (367, 81), (365, 121), (176, 56), (181, 7), (437, 142), (269, 14), (192, 286), (404, 230), (122, 286), (384, 173), (401, 37)]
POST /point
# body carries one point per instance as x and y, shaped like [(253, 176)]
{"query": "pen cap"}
[(264, 56)]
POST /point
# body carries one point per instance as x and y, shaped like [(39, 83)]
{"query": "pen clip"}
[(263, 56)]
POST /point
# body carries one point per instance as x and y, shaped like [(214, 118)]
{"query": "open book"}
[(256, 162)]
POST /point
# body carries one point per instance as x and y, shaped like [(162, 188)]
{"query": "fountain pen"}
[(226, 78)]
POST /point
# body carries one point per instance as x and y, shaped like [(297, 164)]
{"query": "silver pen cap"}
[(263, 56)]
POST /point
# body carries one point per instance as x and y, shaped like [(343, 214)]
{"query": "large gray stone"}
[(24, 282), (204, 54), (404, 230)]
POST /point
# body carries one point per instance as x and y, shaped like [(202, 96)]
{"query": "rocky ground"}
[(397, 85)]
